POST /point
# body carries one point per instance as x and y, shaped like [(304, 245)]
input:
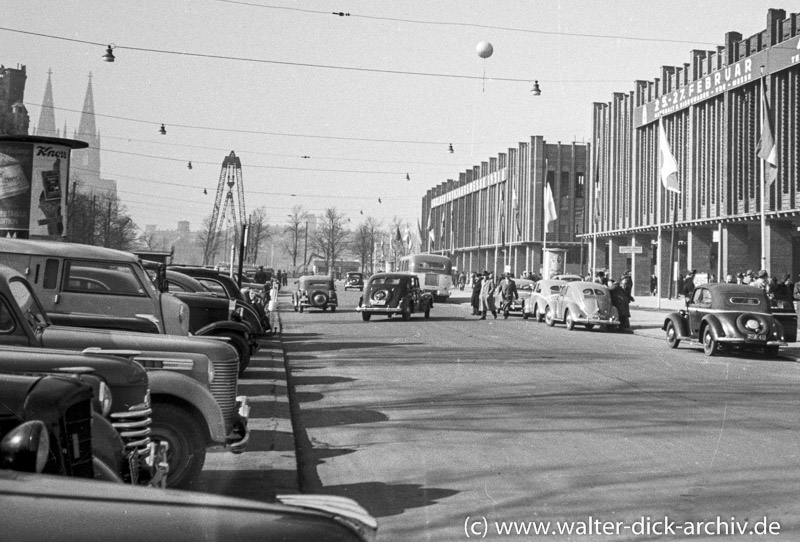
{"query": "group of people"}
[(621, 295), (484, 289)]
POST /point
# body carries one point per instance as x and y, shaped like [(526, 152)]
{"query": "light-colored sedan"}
[(541, 294), (586, 303)]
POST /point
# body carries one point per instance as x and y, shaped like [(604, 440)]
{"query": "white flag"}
[(669, 167), (550, 214)]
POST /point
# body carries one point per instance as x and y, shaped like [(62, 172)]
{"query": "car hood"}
[(78, 338)]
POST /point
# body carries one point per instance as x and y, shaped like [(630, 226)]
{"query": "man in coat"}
[(488, 287), (475, 301), (508, 293), (622, 301)]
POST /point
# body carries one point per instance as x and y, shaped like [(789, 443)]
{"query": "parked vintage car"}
[(567, 277), (315, 291), (192, 381), (97, 287), (46, 425), (394, 293), (586, 303), (354, 280), (541, 294), (46, 507), (722, 316)]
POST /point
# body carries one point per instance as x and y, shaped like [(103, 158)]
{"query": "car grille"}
[(76, 439), (133, 426), (224, 388)]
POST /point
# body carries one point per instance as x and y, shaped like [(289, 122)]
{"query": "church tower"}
[(47, 117), (85, 164)]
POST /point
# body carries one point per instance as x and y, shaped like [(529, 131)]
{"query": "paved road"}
[(428, 423)]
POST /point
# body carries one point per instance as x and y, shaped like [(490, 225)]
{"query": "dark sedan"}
[(394, 293)]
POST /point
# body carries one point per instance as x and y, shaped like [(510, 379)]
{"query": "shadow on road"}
[(382, 500)]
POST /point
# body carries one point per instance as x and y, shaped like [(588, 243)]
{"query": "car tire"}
[(570, 323), (672, 336), (537, 315), (185, 436), (333, 309), (549, 317), (366, 316), (710, 344)]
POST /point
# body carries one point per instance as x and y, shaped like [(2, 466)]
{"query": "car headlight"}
[(210, 371), (105, 398)]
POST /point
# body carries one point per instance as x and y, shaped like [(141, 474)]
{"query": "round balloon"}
[(484, 49)]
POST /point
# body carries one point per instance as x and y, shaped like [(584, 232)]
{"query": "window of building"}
[(580, 181)]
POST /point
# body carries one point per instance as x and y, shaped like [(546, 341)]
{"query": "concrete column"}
[(699, 250), (601, 254), (641, 266), (779, 248), (664, 272)]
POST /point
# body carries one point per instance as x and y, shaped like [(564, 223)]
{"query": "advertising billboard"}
[(34, 183)]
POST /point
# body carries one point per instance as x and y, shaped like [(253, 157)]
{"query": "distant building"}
[(493, 217), (14, 119)]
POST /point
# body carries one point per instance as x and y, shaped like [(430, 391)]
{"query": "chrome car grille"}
[(133, 426), (224, 388)]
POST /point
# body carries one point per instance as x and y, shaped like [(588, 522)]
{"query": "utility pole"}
[(305, 251)]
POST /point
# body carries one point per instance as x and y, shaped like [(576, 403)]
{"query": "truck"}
[(192, 381)]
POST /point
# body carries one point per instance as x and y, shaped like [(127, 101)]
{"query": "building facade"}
[(734, 210), (14, 119), (493, 217)]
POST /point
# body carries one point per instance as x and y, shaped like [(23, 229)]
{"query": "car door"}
[(699, 307)]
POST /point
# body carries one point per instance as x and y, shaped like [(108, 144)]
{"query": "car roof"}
[(393, 275), (64, 250)]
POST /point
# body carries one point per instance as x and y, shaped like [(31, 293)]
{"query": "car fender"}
[(177, 388), (226, 325), (679, 322), (716, 325)]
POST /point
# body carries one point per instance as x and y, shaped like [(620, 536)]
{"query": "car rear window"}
[(555, 288), (593, 291), (745, 301), (386, 280)]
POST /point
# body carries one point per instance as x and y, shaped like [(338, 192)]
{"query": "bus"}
[(434, 272)]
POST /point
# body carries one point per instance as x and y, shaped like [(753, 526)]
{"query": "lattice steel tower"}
[(230, 175)]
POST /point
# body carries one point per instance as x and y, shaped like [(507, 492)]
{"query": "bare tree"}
[(260, 232), (99, 220), (209, 240), (296, 231), (331, 237), (364, 240), (149, 240)]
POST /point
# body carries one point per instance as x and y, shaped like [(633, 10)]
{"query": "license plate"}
[(756, 337), (379, 302)]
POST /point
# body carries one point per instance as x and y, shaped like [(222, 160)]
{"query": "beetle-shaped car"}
[(718, 316), (586, 303)]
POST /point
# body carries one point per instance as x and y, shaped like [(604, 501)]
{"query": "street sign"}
[(631, 250)]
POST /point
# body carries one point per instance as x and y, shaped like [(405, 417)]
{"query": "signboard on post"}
[(631, 250), (34, 183)]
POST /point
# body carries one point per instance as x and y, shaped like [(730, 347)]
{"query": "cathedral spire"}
[(47, 117), (86, 127)]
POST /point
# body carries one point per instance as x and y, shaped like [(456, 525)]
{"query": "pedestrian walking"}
[(475, 301), (488, 287), (622, 301), (462, 280), (507, 289)]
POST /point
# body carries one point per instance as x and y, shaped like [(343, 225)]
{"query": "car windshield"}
[(385, 281), (316, 284)]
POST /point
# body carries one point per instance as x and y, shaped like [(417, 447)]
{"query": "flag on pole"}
[(550, 214), (768, 149), (452, 228), (407, 238), (501, 221), (669, 167), (431, 236), (515, 210)]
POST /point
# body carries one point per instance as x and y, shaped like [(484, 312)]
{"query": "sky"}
[(335, 111)]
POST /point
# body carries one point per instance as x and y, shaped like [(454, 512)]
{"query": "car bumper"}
[(316, 305), (597, 321), (380, 310), (240, 435), (753, 342)]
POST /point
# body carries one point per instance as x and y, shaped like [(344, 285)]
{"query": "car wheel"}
[(366, 316), (710, 344), (539, 316), (672, 336), (589, 327), (184, 434), (569, 321), (549, 317)]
